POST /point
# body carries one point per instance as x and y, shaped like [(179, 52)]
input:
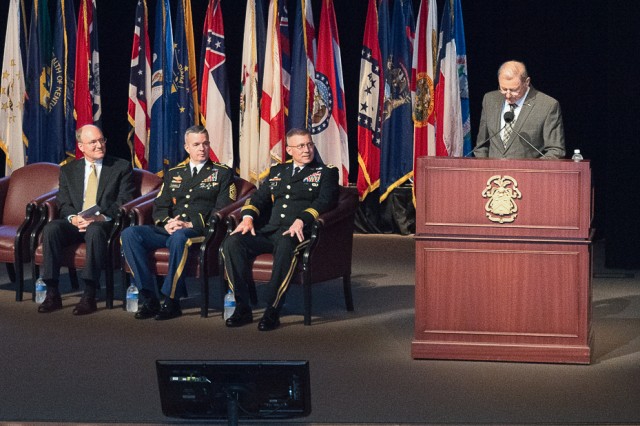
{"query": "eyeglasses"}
[(514, 92), (101, 141), (308, 145)]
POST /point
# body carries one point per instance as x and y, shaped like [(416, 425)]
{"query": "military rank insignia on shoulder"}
[(331, 166)]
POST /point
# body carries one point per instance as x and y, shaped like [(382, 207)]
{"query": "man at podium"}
[(517, 120)]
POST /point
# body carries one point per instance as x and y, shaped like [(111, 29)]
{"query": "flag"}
[(161, 124), (86, 101), (61, 123), (38, 75), (422, 89), (304, 49), (249, 99), (261, 40), (216, 112), (285, 55), (182, 105), (140, 89), (272, 128), (453, 133), (396, 149), (370, 102), (329, 114), (12, 94)]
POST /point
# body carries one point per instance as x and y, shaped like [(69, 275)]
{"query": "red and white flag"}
[(272, 127), (425, 47), (329, 119), (215, 92), (139, 112)]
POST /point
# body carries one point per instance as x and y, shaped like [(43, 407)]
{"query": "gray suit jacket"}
[(539, 122)]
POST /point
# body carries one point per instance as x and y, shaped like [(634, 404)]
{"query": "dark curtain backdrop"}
[(576, 51)]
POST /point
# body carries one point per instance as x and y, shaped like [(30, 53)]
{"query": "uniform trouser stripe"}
[(284, 285), (183, 261)]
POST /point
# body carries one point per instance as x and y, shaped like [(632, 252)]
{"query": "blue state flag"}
[(38, 75)]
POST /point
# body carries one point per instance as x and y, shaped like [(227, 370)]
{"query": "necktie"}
[(508, 128), (296, 170), (195, 172), (92, 188)]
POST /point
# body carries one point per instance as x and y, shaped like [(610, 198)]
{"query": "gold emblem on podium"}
[(502, 191)]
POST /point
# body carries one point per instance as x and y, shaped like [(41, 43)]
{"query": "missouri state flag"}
[(329, 123), (216, 112), (140, 89), (370, 99)]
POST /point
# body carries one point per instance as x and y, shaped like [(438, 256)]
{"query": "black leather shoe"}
[(270, 320), (86, 306), (241, 316), (170, 309), (148, 309), (52, 302)]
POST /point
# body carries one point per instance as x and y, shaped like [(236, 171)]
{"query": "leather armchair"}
[(328, 255), (20, 195), (147, 185), (202, 261)]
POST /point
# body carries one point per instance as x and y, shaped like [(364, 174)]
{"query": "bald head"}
[(513, 69), (513, 81)]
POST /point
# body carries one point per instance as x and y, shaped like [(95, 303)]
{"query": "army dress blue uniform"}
[(280, 200), (192, 198)]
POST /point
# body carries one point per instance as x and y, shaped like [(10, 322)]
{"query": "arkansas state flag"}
[(453, 135), (370, 100), (329, 122), (140, 89), (216, 112), (87, 101), (422, 87), (272, 129)]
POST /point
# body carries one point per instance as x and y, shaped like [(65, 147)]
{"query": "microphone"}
[(508, 118), (488, 140)]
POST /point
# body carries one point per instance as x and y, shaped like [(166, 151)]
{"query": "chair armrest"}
[(142, 213), (4, 188)]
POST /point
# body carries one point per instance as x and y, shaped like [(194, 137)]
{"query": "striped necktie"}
[(508, 128)]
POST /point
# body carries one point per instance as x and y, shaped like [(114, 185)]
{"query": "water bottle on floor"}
[(41, 290), (132, 298), (229, 304)]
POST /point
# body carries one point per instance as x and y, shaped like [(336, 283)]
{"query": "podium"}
[(503, 260)]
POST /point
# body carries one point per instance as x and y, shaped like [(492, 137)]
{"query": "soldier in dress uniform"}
[(276, 219), (189, 193)]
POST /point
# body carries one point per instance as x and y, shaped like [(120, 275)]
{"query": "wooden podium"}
[(503, 260)]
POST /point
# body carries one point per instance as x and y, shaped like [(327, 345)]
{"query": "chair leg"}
[(348, 297), (19, 282), (73, 277), (307, 302), (35, 273), (11, 271), (125, 286), (204, 293)]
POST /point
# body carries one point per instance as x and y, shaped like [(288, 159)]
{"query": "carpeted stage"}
[(101, 368)]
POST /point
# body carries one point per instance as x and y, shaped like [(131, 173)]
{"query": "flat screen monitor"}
[(234, 389)]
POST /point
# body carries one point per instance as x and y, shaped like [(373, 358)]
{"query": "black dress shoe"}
[(52, 302), (270, 320), (241, 316), (148, 309), (86, 306), (170, 309)]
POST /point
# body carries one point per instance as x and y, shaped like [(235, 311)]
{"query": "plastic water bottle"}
[(229, 304), (576, 155), (132, 298), (41, 290)]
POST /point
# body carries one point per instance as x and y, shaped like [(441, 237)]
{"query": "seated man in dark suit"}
[(98, 181), (294, 195), (190, 192)]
